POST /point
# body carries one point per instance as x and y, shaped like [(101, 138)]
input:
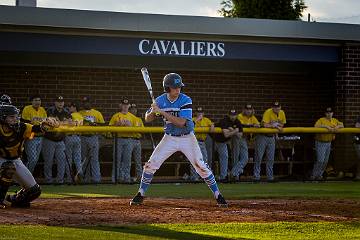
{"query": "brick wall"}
[(348, 85), (303, 96), (347, 104)]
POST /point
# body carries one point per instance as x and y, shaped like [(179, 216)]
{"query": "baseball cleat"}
[(221, 201), (137, 200), (9, 202)]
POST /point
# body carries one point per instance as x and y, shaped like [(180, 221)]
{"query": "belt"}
[(130, 138), (201, 140), (177, 135)]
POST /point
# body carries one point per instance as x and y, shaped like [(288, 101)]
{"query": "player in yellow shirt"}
[(33, 114), (201, 121), (240, 151), (73, 144), (90, 142), (137, 143), (123, 143), (273, 117), (323, 142)]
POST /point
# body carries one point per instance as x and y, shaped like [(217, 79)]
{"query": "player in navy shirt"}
[(176, 110)]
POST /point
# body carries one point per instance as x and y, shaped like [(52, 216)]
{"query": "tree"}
[(265, 9)]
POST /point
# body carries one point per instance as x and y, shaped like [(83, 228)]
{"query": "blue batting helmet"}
[(172, 80)]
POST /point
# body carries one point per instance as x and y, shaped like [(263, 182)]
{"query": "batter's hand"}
[(155, 109)]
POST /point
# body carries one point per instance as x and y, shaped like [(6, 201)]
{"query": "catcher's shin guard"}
[(7, 171), (23, 197)]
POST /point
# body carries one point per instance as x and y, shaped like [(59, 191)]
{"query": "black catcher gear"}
[(9, 110), (23, 197), (172, 80), (7, 171)]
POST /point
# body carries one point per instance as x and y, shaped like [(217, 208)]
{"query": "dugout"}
[(225, 63)]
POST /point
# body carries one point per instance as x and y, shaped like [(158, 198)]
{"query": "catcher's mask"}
[(172, 80), (9, 115)]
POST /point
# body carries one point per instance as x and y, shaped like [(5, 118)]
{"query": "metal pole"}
[(115, 158)]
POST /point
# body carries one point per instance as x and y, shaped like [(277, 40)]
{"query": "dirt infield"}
[(93, 211)]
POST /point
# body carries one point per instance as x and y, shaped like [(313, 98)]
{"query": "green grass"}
[(333, 190), (275, 230), (263, 231)]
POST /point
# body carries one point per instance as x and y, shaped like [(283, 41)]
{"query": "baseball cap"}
[(276, 104), (85, 99), (232, 112), (125, 101), (73, 104), (328, 110), (248, 106), (199, 109), (59, 98)]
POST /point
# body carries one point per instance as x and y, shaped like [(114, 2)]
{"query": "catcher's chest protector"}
[(11, 144)]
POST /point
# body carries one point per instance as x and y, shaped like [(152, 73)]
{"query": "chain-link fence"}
[(105, 158)]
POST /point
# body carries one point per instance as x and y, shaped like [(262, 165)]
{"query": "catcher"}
[(13, 133)]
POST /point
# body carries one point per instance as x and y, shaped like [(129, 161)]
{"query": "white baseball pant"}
[(186, 144)]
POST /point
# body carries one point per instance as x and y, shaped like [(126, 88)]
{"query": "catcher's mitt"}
[(50, 123)]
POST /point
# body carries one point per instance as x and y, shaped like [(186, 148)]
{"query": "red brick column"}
[(347, 104)]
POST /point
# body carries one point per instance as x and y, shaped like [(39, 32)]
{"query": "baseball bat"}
[(152, 141), (146, 77)]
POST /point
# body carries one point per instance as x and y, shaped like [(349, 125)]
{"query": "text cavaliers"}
[(181, 48)]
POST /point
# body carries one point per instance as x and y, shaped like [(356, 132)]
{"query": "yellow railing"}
[(106, 129)]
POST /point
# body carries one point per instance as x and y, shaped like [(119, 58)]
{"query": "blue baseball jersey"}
[(181, 107)]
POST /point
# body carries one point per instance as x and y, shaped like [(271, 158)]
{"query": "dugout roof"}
[(68, 37)]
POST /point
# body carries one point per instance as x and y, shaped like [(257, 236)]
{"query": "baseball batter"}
[(176, 110), (13, 133)]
